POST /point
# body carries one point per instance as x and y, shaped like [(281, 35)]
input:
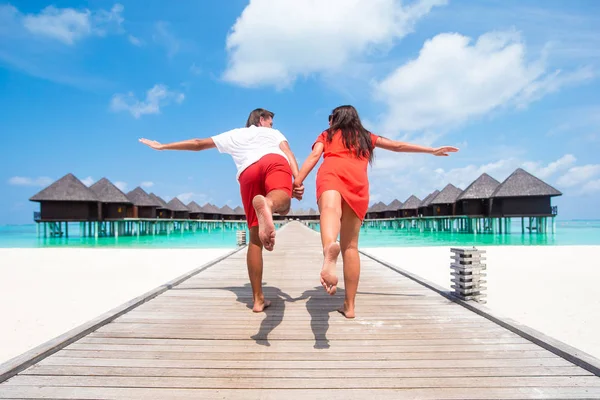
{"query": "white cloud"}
[(579, 175), (147, 184), (134, 40), (274, 42), (121, 185), (543, 172), (591, 187), (196, 70), (189, 196), (41, 181), (163, 37), (89, 181), (158, 96), (454, 80), (69, 25)]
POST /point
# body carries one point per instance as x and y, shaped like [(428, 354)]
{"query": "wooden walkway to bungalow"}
[(199, 340)]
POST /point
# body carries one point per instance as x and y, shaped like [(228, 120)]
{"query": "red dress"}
[(341, 170)]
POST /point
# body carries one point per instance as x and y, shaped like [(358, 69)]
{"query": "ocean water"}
[(567, 233)]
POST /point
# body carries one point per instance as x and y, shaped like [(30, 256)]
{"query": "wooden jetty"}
[(196, 338)]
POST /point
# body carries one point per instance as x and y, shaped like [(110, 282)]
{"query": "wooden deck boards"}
[(201, 340)]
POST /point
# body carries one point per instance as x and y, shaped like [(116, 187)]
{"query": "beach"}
[(46, 292), (552, 289)]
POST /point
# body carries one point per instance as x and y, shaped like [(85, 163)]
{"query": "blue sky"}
[(512, 84)]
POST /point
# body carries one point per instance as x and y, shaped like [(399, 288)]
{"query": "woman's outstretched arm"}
[(309, 163), (403, 147), (192, 144)]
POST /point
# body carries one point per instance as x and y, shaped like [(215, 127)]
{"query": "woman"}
[(343, 192)]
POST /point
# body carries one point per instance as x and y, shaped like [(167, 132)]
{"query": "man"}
[(265, 167)]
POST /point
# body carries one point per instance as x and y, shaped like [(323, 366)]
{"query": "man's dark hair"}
[(254, 117)]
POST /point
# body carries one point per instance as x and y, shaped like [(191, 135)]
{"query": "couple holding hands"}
[(265, 168)]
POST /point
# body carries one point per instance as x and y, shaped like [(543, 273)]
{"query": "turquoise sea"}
[(580, 232)]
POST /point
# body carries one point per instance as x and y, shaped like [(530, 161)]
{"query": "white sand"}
[(46, 292), (553, 289)]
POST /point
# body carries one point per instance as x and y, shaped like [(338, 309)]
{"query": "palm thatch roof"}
[(448, 195), (522, 183), (226, 210), (427, 200), (482, 188), (107, 192), (194, 207), (412, 203), (210, 209), (140, 198), (377, 207), (239, 211), (176, 205), (67, 188), (163, 204), (394, 205)]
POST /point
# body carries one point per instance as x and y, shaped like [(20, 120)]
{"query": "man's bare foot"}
[(260, 305), (346, 311), (266, 228), (329, 279)]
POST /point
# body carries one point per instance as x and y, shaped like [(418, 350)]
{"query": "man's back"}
[(248, 145)]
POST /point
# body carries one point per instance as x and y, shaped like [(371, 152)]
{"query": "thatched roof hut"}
[(239, 213), (195, 210), (211, 212), (67, 199), (425, 208), (523, 194), (392, 210), (115, 205), (180, 210), (410, 207), (474, 200), (376, 210), (144, 206), (444, 204), (164, 211), (227, 212)]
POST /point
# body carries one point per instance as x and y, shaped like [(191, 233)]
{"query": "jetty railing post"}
[(467, 273)]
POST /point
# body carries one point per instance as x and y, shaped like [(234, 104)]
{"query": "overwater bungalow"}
[(523, 195), (211, 212), (410, 207), (227, 213), (67, 199), (376, 211), (313, 214), (195, 210), (114, 204), (180, 211), (475, 199), (425, 208), (163, 211), (144, 206), (392, 210), (239, 213), (444, 204)]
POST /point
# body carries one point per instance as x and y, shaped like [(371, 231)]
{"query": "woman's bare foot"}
[(346, 311), (266, 228), (260, 305), (329, 279)]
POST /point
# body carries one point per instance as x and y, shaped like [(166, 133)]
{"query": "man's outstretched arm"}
[(192, 144)]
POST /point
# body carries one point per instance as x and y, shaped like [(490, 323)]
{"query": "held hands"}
[(151, 143), (297, 190), (443, 151)]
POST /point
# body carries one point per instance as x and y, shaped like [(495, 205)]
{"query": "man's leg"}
[(255, 270)]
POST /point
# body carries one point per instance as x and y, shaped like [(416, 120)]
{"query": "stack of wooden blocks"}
[(241, 238), (467, 274)]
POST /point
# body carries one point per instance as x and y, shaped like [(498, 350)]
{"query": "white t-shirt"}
[(248, 145)]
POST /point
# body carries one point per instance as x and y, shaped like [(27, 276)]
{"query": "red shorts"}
[(271, 172)]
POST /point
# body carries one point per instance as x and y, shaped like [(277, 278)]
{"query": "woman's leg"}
[(350, 228), (330, 207)]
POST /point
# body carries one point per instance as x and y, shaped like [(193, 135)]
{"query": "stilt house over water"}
[(67, 199), (180, 211), (164, 211), (410, 207), (425, 209), (523, 195), (211, 212), (444, 204), (227, 213), (195, 210), (144, 206), (114, 204), (392, 210), (376, 210), (475, 200)]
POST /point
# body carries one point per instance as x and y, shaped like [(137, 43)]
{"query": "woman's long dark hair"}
[(354, 135)]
